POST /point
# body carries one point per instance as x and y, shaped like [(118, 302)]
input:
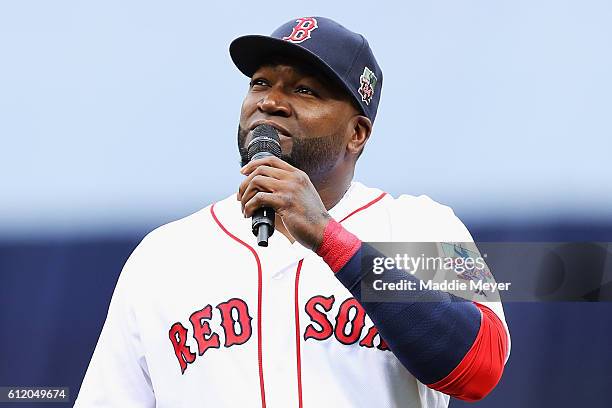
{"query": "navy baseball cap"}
[(341, 54)]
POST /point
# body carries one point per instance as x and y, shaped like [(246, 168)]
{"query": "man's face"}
[(311, 116)]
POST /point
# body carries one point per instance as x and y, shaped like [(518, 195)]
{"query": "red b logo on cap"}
[(301, 31)]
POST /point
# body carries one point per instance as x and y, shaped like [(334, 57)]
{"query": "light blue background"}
[(117, 114)]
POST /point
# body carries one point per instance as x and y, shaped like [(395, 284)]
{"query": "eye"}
[(305, 90), (258, 82)]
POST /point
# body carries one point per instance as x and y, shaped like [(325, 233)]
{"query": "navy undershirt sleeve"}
[(430, 332)]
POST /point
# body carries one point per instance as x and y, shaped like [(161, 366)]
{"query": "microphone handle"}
[(263, 225)]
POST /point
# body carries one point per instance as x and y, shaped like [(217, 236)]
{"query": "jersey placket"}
[(280, 263)]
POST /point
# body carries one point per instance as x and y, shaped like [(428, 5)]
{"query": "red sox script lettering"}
[(347, 327), (317, 308), (205, 337)]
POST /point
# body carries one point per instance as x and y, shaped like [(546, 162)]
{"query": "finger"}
[(271, 161), (260, 183), (263, 171), (263, 199)]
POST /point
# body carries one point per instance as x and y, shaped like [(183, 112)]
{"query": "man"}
[(202, 316)]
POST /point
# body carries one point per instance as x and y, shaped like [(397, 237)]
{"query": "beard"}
[(315, 156)]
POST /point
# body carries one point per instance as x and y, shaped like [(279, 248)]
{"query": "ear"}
[(361, 128)]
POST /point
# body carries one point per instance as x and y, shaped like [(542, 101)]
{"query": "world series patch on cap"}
[(343, 55)]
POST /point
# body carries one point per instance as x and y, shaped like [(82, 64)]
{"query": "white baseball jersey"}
[(203, 317)]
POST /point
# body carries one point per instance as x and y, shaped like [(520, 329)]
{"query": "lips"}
[(282, 131)]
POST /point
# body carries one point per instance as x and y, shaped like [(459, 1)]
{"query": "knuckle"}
[(287, 200), (302, 178)]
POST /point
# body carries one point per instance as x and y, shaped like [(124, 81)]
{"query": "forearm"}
[(450, 344)]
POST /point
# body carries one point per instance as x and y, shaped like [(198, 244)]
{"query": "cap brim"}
[(249, 52)]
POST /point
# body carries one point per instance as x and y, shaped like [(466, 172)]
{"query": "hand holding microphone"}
[(273, 186)]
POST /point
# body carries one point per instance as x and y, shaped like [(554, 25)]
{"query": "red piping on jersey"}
[(374, 201), (297, 305), (259, 286), (297, 332)]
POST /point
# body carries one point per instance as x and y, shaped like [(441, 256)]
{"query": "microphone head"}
[(265, 142)]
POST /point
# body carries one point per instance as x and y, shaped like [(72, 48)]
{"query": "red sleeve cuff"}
[(481, 368), (338, 245)]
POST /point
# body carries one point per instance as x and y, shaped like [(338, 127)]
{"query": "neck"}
[(331, 191), (332, 186)]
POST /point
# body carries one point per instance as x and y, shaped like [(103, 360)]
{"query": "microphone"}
[(265, 143)]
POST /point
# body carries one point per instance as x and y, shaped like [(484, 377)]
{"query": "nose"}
[(274, 103)]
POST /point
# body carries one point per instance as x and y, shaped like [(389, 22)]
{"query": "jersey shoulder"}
[(421, 218), (188, 230), (169, 246)]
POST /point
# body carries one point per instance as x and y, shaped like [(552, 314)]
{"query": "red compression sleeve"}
[(338, 245), (481, 368)]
